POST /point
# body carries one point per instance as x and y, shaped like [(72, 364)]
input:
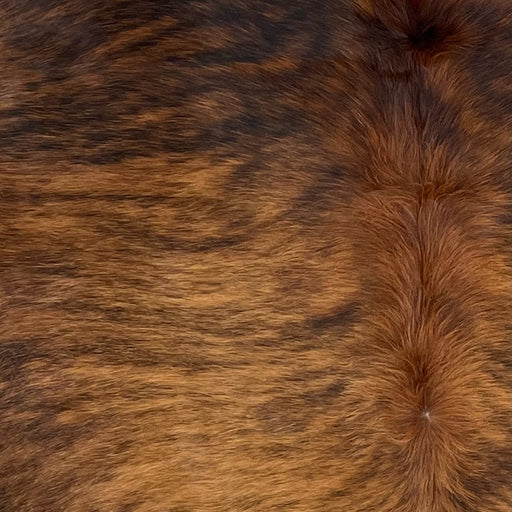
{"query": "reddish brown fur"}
[(255, 256)]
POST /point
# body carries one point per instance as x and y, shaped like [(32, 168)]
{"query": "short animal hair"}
[(255, 256)]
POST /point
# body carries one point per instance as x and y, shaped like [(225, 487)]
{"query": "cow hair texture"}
[(255, 256)]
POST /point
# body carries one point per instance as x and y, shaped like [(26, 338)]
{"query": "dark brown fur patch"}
[(255, 256)]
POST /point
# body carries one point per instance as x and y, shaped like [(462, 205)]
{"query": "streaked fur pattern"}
[(255, 256)]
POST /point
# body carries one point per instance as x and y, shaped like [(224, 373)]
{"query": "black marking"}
[(343, 318)]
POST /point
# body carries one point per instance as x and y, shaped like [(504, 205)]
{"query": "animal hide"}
[(255, 256)]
